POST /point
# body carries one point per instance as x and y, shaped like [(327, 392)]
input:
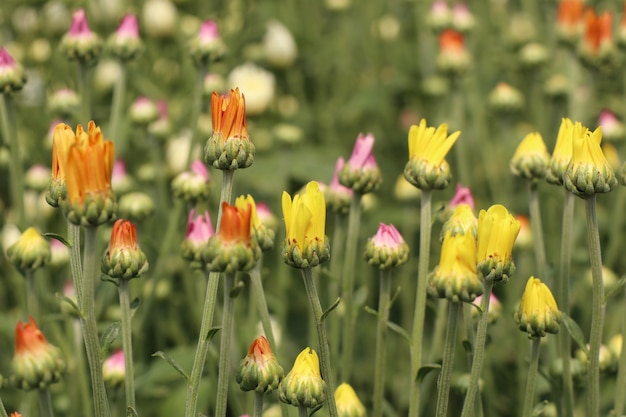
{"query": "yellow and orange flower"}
[(259, 370), (453, 57), (303, 386), (570, 19), (123, 258), (62, 140), (597, 43), (264, 235)]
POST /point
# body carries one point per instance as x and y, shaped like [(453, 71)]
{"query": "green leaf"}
[(212, 332), (574, 330), (330, 308), (425, 370), (316, 409), (467, 346), (371, 311), (109, 279), (237, 288), (394, 296), (173, 363), (69, 302), (130, 412), (108, 337), (360, 296), (615, 288), (134, 304), (396, 328), (57, 237)]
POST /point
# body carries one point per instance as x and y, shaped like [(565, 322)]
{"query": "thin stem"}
[(620, 392), (335, 284), (88, 321), (537, 230), (324, 351), (347, 290), (127, 344), (116, 110), (225, 339), (79, 358), (597, 307), (258, 404), (3, 411), (381, 341), (195, 111), (443, 384), (84, 93), (420, 300), (529, 397), (462, 156), (302, 411), (563, 300), (31, 295), (45, 403), (73, 236), (9, 132), (479, 351)]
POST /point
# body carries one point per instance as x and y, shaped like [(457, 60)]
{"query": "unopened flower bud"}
[(462, 221), (125, 43), (30, 252), (497, 231), (143, 111), (162, 127), (494, 312), (348, 403), (121, 182), (193, 185), (37, 178), (439, 16), (615, 345), (199, 230), (537, 313), (405, 191), (213, 82), (303, 386), (387, 248), (63, 102), (80, 43), (462, 18), (136, 206), (506, 99), (114, 369), (12, 75), (263, 234), (360, 172), (533, 55), (123, 258), (531, 158), (279, 46), (59, 254), (259, 371), (612, 128), (338, 197), (207, 45), (453, 58)]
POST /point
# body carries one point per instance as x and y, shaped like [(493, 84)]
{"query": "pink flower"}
[(199, 229), (114, 369), (119, 171), (463, 195), (199, 169), (162, 109), (79, 26), (335, 186), (362, 154), (129, 27), (387, 248), (6, 60), (208, 31), (387, 236)]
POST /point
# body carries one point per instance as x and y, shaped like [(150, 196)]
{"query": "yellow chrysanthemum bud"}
[(531, 158), (30, 252), (348, 403), (463, 221), (456, 277), (259, 370), (427, 168), (303, 386), (538, 313), (497, 230), (563, 149), (589, 172)]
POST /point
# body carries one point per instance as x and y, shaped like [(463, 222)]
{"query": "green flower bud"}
[(259, 371), (303, 386), (387, 248), (538, 313), (30, 252)]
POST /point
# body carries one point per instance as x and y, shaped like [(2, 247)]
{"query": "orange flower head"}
[(63, 138), (123, 258), (451, 41), (598, 39), (90, 198), (570, 13), (236, 223), (229, 147), (453, 57), (36, 363), (259, 370)]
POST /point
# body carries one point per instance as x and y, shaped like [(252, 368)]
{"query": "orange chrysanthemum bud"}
[(259, 370), (63, 138), (453, 57), (124, 259), (569, 22)]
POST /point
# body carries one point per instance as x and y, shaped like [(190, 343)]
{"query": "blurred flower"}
[(557, 87), (569, 23), (612, 128), (59, 253), (63, 138), (427, 168), (199, 230), (525, 237), (405, 191), (589, 172), (80, 43), (37, 178), (361, 172), (193, 185), (30, 252), (213, 82), (257, 84), (462, 18), (533, 54), (495, 308), (337, 5), (159, 18), (233, 248), (303, 386), (259, 370), (177, 151), (506, 99), (348, 403), (125, 43), (387, 248), (106, 74), (229, 147), (207, 45), (114, 369), (562, 154), (462, 195), (136, 206), (456, 277), (121, 182), (161, 127), (615, 345), (609, 277), (338, 196), (63, 102), (531, 158), (266, 216), (453, 58), (521, 29), (36, 363), (279, 45), (57, 17), (287, 134), (10, 234), (305, 242), (143, 111), (537, 312), (388, 27), (607, 360), (264, 235), (90, 199), (497, 230), (439, 16), (12, 75), (124, 259), (610, 152), (597, 46), (462, 221)]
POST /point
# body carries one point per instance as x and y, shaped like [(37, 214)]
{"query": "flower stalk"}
[(620, 394), (9, 132), (127, 344), (529, 397), (258, 404), (228, 317), (537, 230), (45, 403), (443, 384), (381, 340)]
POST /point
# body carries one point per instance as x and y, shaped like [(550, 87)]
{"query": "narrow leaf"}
[(615, 288), (316, 409), (467, 346), (371, 311), (130, 412), (574, 330), (108, 337), (134, 304), (394, 296), (396, 328), (69, 302), (109, 279), (330, 308), (425, 370), (173, 363), (237, 288), (212, 332), (57, 237)]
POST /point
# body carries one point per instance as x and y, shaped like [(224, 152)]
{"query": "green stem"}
[(225, 339), (420, 300), (31, 295), (45, 403), (381, 341), (537, 230), (615, 248), (324, 351), (88, 320), (347, 290), (336, 279), (3, 411), (563, 300), (84, 93), (258, 404), (529, 397), (597, 307), (479, 351), (9, 132), (196, 109), (620, 392), (448, 360), (462, 156), (161, 174), (116, 111), (127, 344), (79, 359), (73, 236), (302, 411)]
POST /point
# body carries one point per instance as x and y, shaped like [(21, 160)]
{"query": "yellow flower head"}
[(264, 235), (303, 385), (305, 221), (462, 221), (497, 231), (348, 403), (537, 312), (563, 149), (428, 147), (30, 252), (589, 172), (531, 158), (456, 278)]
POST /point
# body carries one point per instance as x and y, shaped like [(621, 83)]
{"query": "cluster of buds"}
[(125, 43), (387, 248), (207, 45), (12, 75), (361, 173), (497, 231), (538, 313), (124, 259), (338, 196), (199, 230), (80, 43), (259, 371), (36, 364), (30, 252), (303, 386), (193, 185), (531, 158)]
